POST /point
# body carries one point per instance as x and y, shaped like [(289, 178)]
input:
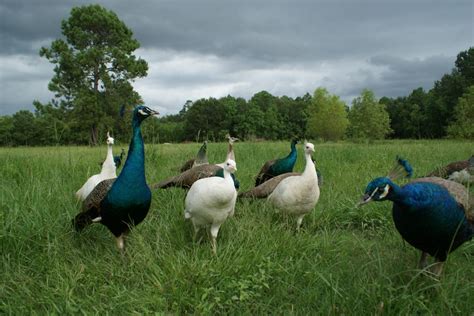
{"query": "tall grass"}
[(344, 261)]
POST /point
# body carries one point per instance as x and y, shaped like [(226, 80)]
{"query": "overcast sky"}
[(199, 49)]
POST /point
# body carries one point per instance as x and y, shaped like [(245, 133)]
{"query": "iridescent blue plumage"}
[(276, 167), (125, 201), (118, 159), (429, 213)]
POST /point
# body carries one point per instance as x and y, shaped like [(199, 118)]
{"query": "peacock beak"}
[(365, 199), (154, 112)]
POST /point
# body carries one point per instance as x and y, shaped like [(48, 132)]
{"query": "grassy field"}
[(346, 260)]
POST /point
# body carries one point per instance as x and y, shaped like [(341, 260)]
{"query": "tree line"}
[(92, 83)]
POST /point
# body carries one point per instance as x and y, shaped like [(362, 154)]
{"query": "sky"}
[(201, 49)]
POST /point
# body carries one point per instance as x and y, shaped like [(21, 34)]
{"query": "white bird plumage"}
[(298, 195), (108, 171), (210, 201), (230, 150)]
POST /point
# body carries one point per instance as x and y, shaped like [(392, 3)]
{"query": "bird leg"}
[(121, 242), (423, 260), (196, 231), (437, 268), (298, 222), (214, 232)]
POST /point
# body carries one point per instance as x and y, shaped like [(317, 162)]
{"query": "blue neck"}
[(292, 153), (135, 164), (396, 195)]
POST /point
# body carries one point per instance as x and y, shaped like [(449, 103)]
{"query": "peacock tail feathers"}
[(402, 169)]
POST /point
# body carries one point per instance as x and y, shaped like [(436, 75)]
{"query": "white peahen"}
[(298, 194), (108, 171), (210, 201)]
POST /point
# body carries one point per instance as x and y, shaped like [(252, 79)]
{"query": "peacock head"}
[(380, 189), (110, 139), (308, 148), (230, 166), (231, 139), (141, 112), (377, 190)]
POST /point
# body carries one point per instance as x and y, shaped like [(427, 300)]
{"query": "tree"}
[(24, 130), (327, 116), (94, 68), (407, 114), (463, 124), (6, 126), (368, 118), (446, 93)]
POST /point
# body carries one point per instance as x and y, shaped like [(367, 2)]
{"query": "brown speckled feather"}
[(187, 178), (97, 195), (266, 188), (444, 172), (187, 165), (91, 205), (458, 191), (263, 175)]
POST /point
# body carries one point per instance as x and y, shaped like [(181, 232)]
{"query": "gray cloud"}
[(214, 48)]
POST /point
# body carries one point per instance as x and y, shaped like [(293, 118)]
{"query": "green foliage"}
[(6, 127), (25, 129), (327, 116), (346, 260), (94, 69), (408, 114), (463, 124), (368, 118)]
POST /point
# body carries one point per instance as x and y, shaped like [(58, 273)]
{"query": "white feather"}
[(210, 201), (108, 171), (462, 176), (298, 195)]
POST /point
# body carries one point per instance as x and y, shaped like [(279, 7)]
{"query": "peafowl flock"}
[(210, 201), (273, 168), (201, 158), (118, 159), (460, 171), (108, 171), (298, 194), (124, 202), (432, 214)]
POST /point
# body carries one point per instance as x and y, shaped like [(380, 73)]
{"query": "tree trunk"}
[(94, 135)]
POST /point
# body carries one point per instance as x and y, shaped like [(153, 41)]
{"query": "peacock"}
[(460, 171), (276, 167), (201, 158), (108, 171), (265, 189), (187, 178), (230, 149), (298, 194), (432, 214), (118, 159), (123, 202), (210, 201)]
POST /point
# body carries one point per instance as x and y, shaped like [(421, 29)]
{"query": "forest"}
[(93, 77)]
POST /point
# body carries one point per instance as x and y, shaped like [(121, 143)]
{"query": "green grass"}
[(345, 260)]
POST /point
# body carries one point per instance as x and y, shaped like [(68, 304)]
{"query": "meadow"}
[(346, 260)]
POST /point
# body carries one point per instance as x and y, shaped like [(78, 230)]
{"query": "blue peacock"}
[(122, 202), (118, 159), (432, 214), (275, 167)]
